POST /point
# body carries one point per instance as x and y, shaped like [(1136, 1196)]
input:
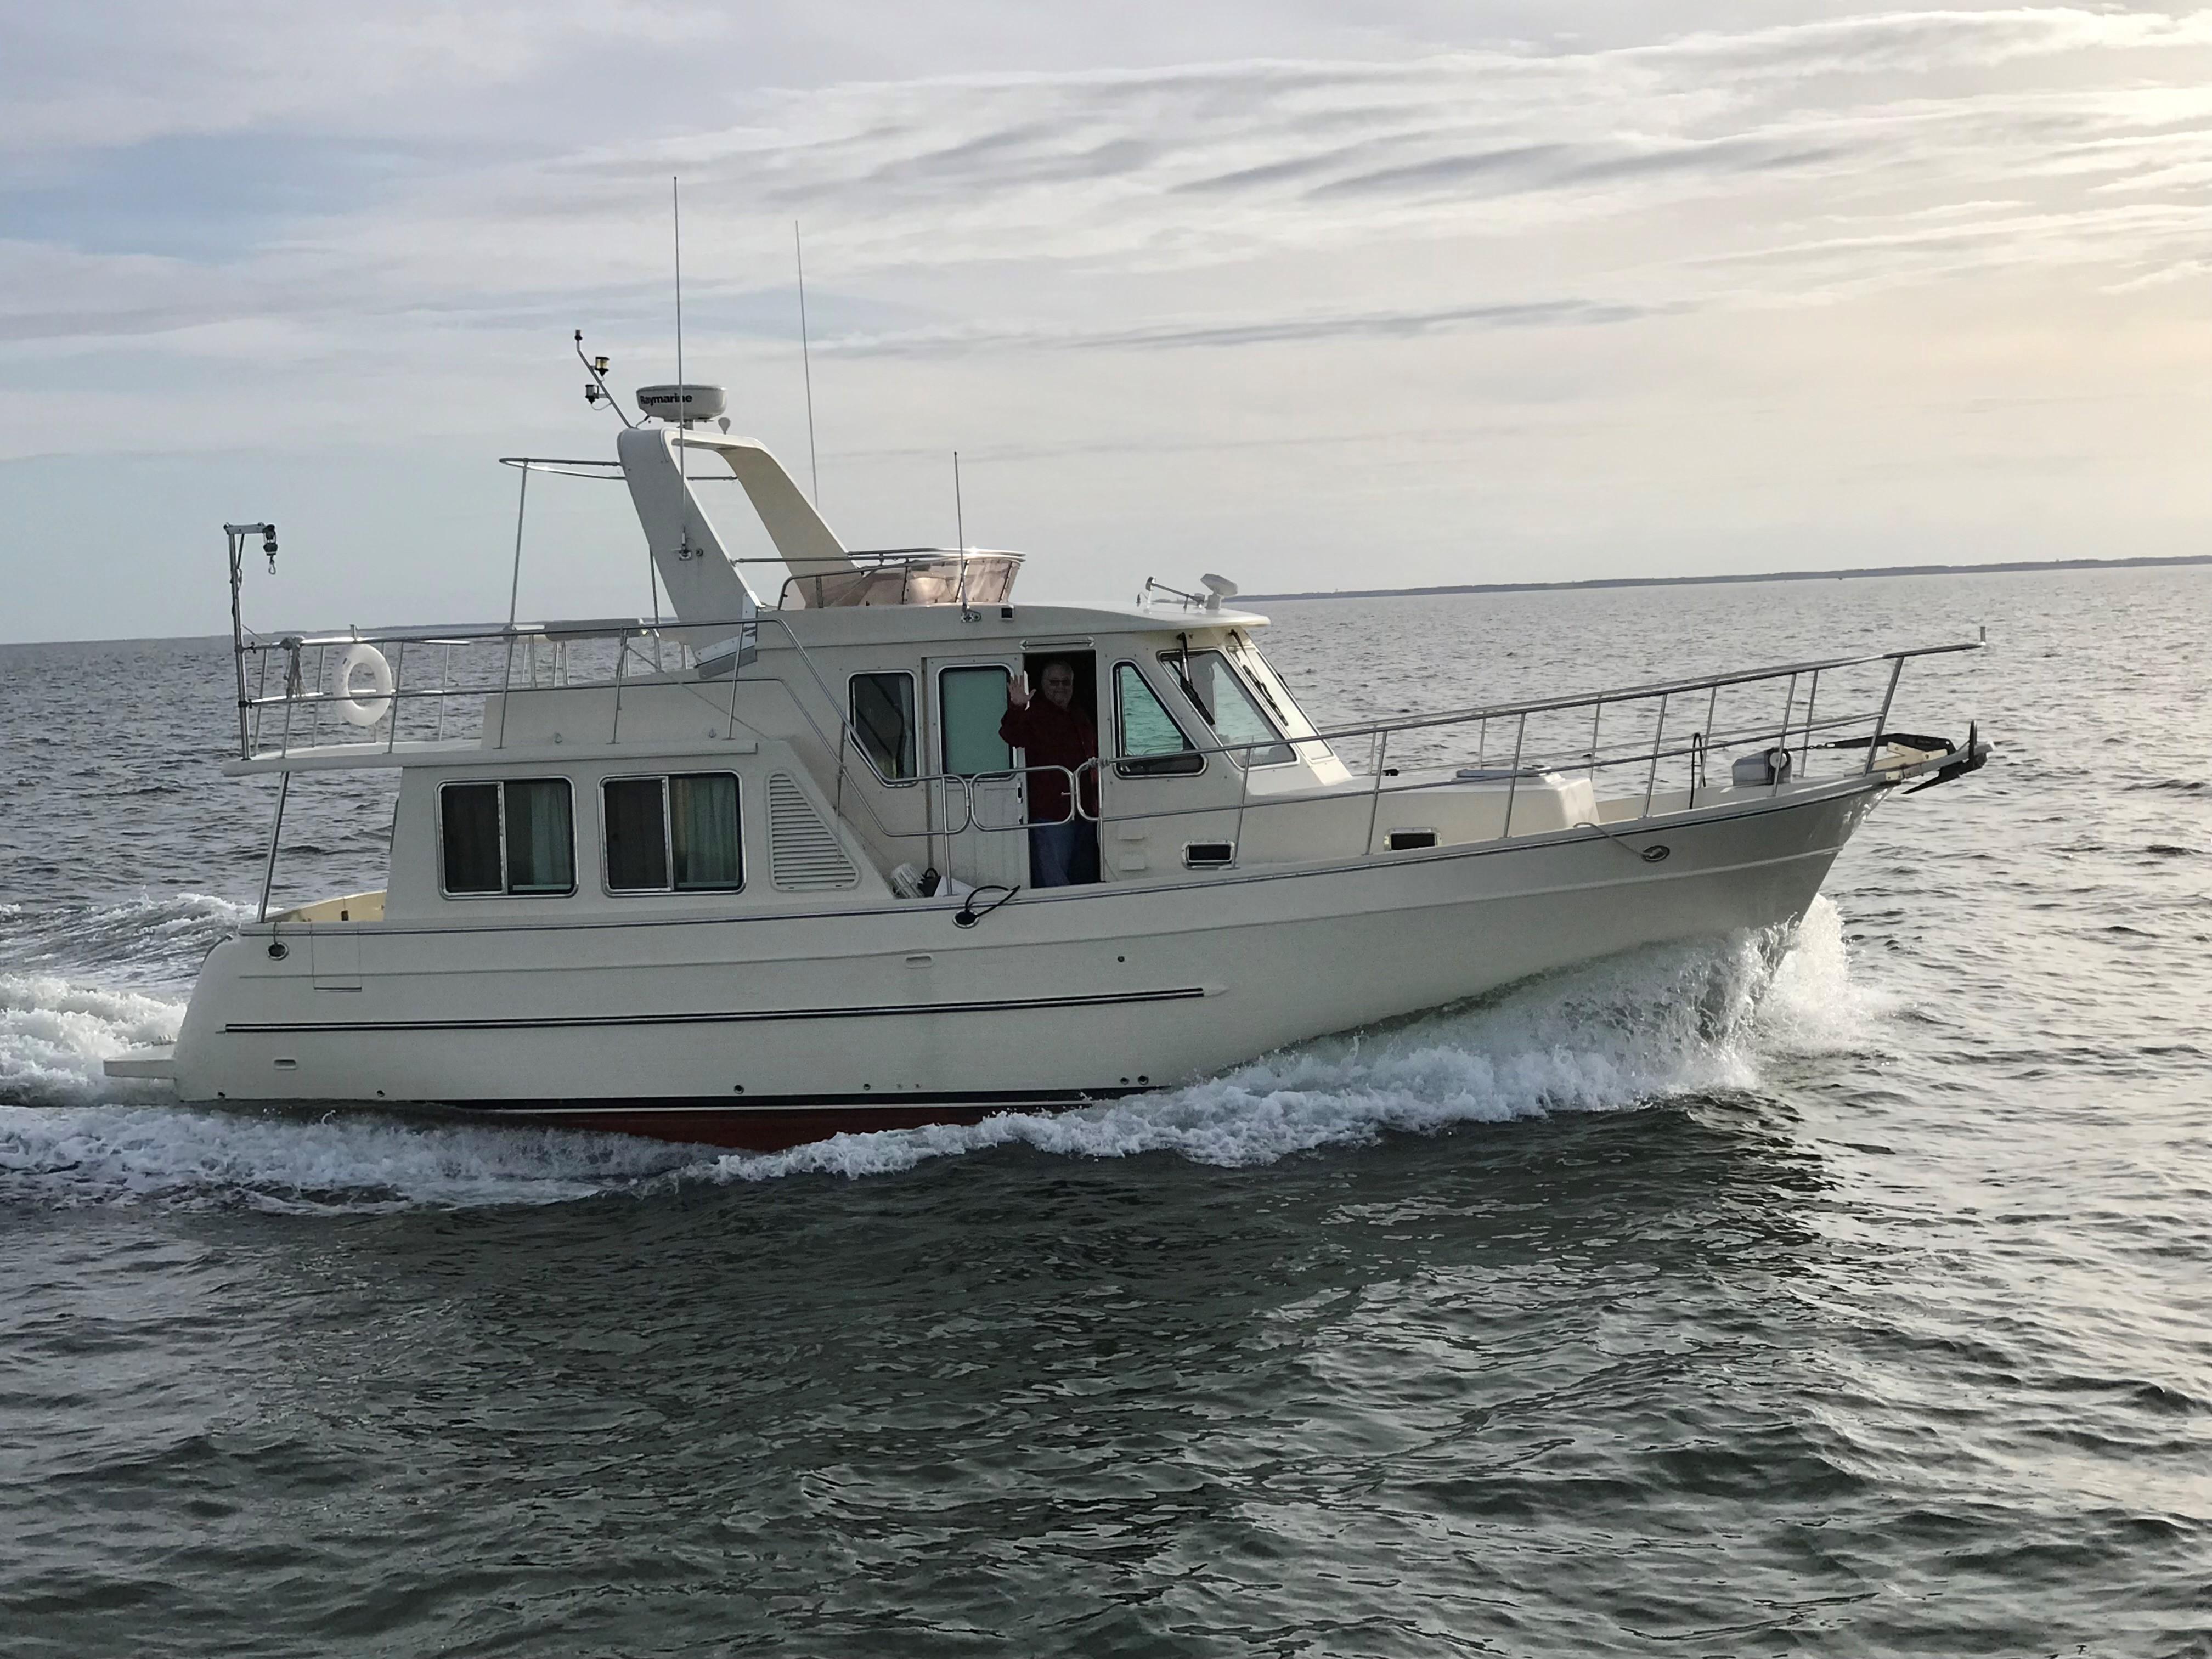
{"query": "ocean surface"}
[(1847, 1294)]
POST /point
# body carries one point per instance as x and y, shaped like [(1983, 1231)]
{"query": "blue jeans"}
[(1063, 854)]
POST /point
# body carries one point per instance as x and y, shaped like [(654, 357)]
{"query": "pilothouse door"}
[(978, 810)]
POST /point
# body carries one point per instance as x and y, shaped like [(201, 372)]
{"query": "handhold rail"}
[(513, 665)]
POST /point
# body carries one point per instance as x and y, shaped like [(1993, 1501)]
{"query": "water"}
[(1848, 1294)]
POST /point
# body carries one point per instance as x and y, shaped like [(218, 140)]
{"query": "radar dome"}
[(689, 401)]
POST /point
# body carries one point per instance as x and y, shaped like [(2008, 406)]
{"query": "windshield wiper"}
[(1259, 681), (1183, 676)]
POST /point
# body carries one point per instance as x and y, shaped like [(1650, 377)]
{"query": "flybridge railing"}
[(433, 685), (906, 575), (895, 575)]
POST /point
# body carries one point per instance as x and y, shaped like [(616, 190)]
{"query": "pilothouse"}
[(851, 840)]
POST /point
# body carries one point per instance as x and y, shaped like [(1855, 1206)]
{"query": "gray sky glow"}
[(1486, 291)]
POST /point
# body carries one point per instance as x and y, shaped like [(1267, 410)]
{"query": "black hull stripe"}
[(738, 1106), (586, 1022)]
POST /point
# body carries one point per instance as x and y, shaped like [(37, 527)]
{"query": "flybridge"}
[(705, 583)]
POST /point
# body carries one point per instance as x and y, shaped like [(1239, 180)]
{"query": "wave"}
[(1812, 1006), (238, 1159), (54, 1033), (1610, 1037), (142, 941)]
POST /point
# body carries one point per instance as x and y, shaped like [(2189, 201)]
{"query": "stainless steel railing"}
[(912, 575), (443, 680)]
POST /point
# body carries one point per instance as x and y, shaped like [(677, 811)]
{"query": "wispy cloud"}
[(1194, 332), (1805, 137), (1564, 290)]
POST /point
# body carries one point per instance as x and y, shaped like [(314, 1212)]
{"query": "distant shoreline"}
[(1763, 576)]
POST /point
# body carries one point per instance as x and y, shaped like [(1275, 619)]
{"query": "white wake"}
[(1609, 1037)]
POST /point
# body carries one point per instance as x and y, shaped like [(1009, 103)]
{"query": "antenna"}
[(515, 584), (676, 214), (806, 363), (959, 518)]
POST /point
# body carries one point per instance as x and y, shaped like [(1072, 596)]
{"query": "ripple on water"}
[(1694, 1303)]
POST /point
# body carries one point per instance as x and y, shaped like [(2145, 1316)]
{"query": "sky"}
[(1484, 291)]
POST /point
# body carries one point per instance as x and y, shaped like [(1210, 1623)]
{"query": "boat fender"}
[(362, 659)]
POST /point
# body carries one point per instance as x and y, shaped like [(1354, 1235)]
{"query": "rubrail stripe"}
[(740, 1016)]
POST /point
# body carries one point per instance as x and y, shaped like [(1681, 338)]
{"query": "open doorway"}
[(1083, 665), (1062, 724)]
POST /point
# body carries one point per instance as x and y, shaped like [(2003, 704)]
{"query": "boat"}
[(760, 869)]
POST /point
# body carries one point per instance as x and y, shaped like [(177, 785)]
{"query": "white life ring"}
[(361, 659)]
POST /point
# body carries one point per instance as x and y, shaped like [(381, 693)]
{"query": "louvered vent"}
[(802, 850)]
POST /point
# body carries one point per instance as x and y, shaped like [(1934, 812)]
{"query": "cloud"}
[(100, 74), (1185, 335), (1257, 202)]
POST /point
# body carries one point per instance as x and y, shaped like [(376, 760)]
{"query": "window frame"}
[(1150, 766), (1016, 755), (1247, 757), (506, 878), (913, 722), (668, 835)]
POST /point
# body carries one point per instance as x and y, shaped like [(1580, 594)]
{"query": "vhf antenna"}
[(675, 215), (806, 364)]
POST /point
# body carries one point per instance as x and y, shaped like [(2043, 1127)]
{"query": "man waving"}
[(1055, 733)]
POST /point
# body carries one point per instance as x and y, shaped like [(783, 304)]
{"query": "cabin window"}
[(970, 704), (515, 837), (882, 722), (673, 835), (1273, 690), (1150, 743), (1228, 705)]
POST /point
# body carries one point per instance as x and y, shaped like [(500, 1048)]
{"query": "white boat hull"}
[(782, 1026)]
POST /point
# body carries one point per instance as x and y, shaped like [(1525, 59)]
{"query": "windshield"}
[(1276, 694), (1228, 705)]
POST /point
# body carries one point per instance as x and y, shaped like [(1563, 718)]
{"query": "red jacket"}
[(1053, 736)]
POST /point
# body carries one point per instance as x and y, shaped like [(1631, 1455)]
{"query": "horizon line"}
[(1847, 574)]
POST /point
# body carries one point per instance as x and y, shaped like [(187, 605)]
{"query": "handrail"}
[(1797, 730), (996, 572), (624, 628), (1623, 694)]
